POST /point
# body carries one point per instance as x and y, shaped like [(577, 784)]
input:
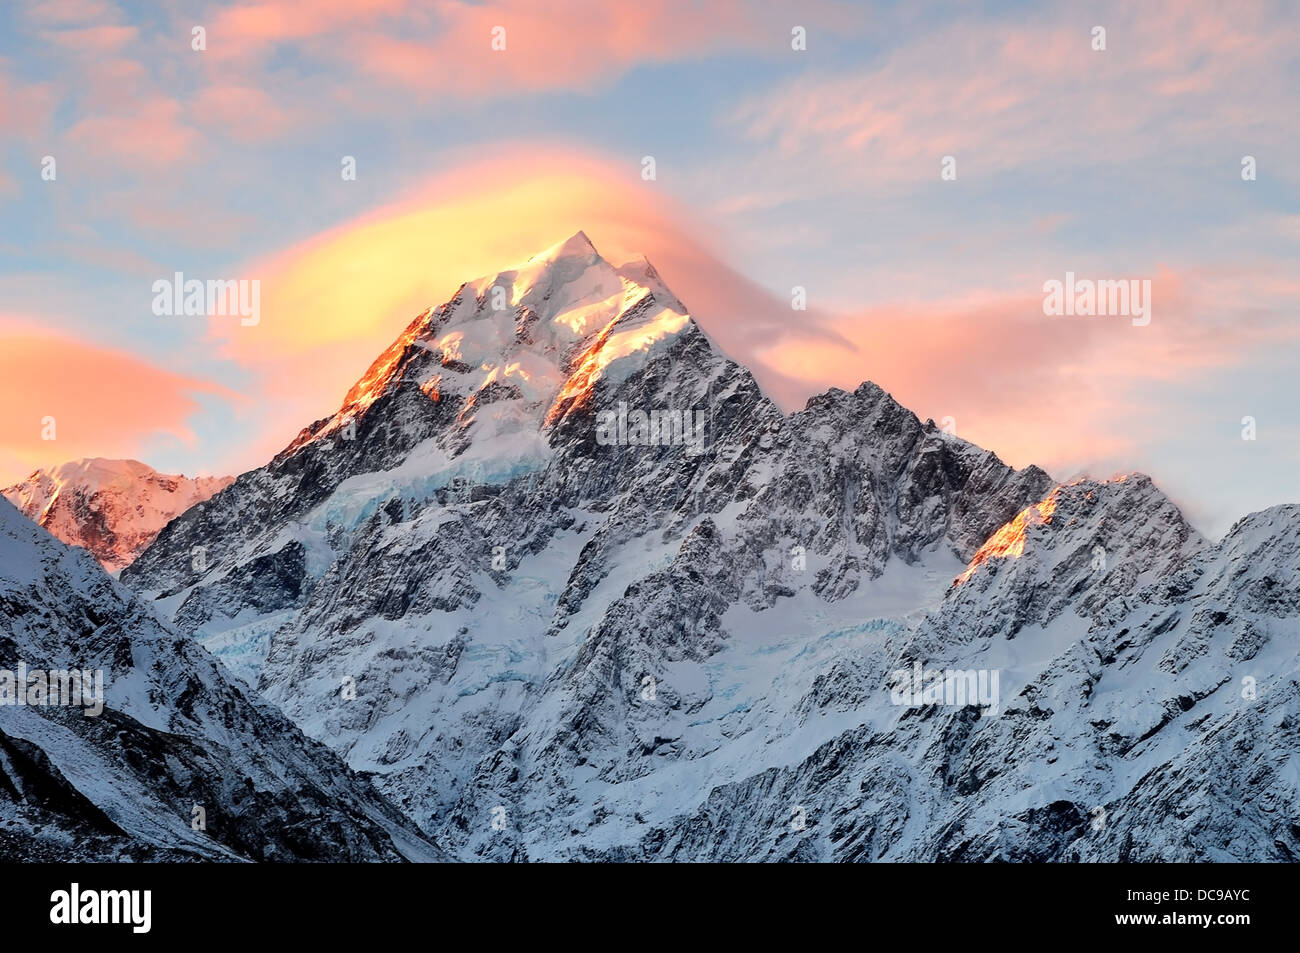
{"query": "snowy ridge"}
[(1151, 720), (113, 508)]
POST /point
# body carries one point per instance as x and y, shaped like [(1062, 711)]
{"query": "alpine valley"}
[(541, 616)]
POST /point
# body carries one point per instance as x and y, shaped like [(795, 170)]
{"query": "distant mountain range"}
[(563, 584)]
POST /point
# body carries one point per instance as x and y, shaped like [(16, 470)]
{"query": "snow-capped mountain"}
[(179, 762), (597, 597), (113, 508), (1148, 704)]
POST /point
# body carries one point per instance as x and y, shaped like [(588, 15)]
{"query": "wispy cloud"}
[(567, 44), (1030, 91)]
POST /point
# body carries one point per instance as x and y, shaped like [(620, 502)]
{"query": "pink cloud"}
[(104, 402), (25, 108), (120, 86), (93, 40), (563, 45), (152, 134), (987, 358), (252, 28), (246, 113), (71, 12)]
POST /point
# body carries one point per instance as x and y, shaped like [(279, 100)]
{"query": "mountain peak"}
[(527, 341), (114, 508), (98, 470), (577, 245), (1086, 516)]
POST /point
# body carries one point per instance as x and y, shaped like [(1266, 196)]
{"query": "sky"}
[(919, 170)]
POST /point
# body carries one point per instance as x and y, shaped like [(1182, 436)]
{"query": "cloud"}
[(25, 108), (331, 303), (136, 97), (151, 134), (1068, 392), (566, 44), (104, 402), (94, 39), (1008, 94), (245, 113), (105, 100), (70, 13)]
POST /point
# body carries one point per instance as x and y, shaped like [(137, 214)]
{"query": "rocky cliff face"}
[(1151, 717)]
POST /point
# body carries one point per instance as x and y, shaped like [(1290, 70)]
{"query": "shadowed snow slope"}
[(177, 740)]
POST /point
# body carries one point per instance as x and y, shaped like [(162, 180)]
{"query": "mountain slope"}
[(113, 508), (1150, 716), (176, 740)]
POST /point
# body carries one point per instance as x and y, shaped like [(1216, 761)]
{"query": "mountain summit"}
[(509, 347)]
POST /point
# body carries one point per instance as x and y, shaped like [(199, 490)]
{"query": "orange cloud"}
[(330, 304), (103, 402)]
